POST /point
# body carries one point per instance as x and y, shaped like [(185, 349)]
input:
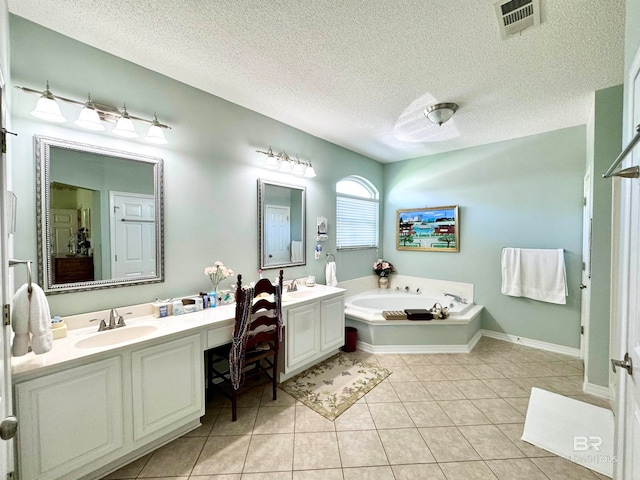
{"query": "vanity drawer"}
[(219, 336)]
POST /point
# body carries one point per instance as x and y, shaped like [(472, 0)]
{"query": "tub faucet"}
[(293, 286), (418, 291), (406, 289), (456, 298)]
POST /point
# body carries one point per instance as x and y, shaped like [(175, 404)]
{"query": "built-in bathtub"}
[(364, 305)]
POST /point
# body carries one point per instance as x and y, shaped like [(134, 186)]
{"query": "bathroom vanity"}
[(99, 400)]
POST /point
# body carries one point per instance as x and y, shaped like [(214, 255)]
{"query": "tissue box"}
[(162, 309)]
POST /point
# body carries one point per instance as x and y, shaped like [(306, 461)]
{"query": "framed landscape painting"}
[(428, 229)]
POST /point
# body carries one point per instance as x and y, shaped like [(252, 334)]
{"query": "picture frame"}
[(429, 229)]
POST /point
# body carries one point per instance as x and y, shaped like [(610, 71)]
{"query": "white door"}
[(627, 296), (6, 393), (278, 235), (585, 285), (64, 225), (133, 235)]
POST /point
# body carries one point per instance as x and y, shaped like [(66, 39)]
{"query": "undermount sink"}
[(296, 295), (118, 335)]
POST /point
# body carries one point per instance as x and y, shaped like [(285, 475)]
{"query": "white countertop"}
[(65, 350)]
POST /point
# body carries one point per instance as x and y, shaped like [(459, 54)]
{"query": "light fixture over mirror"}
[(286, 164), (99, 217), (281, 224), (440, 112), (92, 116)]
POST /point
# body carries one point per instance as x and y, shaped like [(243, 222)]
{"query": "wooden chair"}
[(251, 360)]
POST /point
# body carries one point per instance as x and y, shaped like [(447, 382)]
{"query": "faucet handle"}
[(121, 319), (103, 324)]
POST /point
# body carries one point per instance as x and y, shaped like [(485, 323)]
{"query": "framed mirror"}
[(281, 224), (99, 216)]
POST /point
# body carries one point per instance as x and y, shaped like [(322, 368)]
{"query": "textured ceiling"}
[(359, 73)]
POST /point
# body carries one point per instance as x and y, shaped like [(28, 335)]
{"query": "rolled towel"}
[(31, 315), (20, 321), (330, 274)]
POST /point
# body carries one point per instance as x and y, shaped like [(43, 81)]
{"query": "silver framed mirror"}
[(281, 224), (100, 216)]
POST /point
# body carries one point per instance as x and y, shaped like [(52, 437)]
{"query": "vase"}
[(383, 282)]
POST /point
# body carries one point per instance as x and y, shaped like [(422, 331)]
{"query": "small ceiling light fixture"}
[(285, 164), (89, 117), (47, 108), (93, 115), (440, 112)]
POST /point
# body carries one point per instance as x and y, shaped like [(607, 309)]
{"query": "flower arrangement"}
[(217, 273), (383, 268)]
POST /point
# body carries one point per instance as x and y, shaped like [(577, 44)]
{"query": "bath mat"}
[(575, 430), (330, 387)]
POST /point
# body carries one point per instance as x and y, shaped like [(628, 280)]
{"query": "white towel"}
[(31, 316), (534, 273), (330, 274), (296, 251)]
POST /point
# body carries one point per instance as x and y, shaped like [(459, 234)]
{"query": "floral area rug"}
[(332, 386)]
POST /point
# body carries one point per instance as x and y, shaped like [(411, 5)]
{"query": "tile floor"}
[(438, 416)]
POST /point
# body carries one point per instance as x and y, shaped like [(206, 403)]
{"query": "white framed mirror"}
[(99, 216), (281, 224)]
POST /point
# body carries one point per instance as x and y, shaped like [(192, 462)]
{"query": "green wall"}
[(210, 166), (524, 193)]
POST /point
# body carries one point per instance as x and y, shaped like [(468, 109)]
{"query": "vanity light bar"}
[(285, 164), (92, 114)]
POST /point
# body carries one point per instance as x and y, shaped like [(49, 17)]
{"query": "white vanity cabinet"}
[(70, 419), (314, 331)]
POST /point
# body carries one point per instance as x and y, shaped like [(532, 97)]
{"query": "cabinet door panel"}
[(303, 340), (332, 323), (167, 385), (69, 419)]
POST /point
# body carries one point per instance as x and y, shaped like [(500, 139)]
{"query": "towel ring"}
[(331, 255), (28, 264)]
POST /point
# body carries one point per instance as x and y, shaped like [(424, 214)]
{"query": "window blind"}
[(356, 223)]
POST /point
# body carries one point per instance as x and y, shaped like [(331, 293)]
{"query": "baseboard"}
[(597, 390), (366, 347), (529, 342)]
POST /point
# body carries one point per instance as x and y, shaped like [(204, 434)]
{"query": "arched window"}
[(357, 213)]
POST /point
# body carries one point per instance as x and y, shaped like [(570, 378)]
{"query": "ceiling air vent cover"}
[(516, 15)]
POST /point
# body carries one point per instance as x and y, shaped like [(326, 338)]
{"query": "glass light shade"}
[(155, 135), (286, 166), (309, 172), (440, 112), (298, 169), (48, 109), (272, 162), (89, 119), (124, 127)]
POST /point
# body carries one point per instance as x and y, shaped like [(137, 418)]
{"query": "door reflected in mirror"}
[(281, 224), (99, 216)]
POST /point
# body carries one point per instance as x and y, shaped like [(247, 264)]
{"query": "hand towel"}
[(296, 251), (538, 274), (31, 316), (330, 274)]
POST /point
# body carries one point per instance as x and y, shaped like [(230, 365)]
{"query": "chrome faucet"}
[(293, 286), (113, 315), (456, 298), (103, 325)]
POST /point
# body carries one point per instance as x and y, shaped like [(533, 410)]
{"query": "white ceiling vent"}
[(516, 15)]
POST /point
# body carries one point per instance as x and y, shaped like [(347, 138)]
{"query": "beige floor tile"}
[(356, 417), (444, 390), (505, 387), (557, 468), (457, 372), (207, 422), (405, 445), (509, 370), (402, 373), (515, 469), (564, 368), (390, 415), (282, 398), (166, 478), (226, 476), (527, 383), (361, 449), (447, 444), (390, 360), (417, 359), (328, 474), (176, 458), (427, 373), (242, 426), (463, 412), (498, 411), (521, 404), (368, 473), (565, 385), (411, 392), (490, 442), (269, 453), (312, 451), (275, 420), (473, 389), (418, 472), (225, 454), (513, 431), (309, 421), (131, 470), (427, 414), (467, 471), (264, 476), (466, 358), (443, 359), (250, 399), (537, 370), (382, 393), (482, 371)]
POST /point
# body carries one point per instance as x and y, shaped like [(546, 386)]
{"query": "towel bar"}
[(331, 255), (631, 172), (13, 262)]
